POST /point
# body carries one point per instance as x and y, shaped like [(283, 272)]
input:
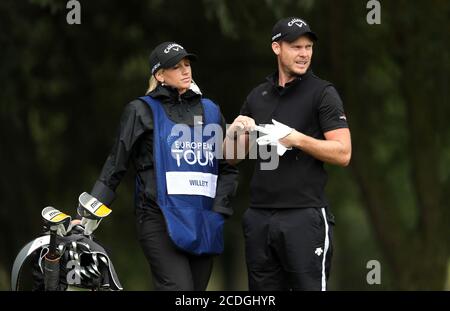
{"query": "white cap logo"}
[(276, 36), (173, 46), (156, 67), (298, 22)]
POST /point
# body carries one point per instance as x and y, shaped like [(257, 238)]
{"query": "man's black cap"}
[(167, 55), (290, 28)]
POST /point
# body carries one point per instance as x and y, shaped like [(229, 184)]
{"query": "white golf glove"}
[(274, 132)]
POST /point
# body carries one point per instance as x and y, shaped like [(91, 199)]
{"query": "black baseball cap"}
[(290, 28), (168, 54)]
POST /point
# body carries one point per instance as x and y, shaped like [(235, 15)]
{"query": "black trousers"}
[(172, 268), (287, 249)]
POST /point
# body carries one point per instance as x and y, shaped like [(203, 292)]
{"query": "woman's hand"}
[(240, 125), (75, 222)]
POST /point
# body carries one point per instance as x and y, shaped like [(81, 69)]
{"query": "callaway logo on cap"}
[(176, 47), (168, 54), (290, 28)]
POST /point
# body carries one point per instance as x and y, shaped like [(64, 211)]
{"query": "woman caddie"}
[(180, 203)]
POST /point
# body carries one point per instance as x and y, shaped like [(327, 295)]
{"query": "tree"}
[(400, 139)]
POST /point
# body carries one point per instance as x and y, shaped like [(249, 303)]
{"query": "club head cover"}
[(91, 207), (56, 220)]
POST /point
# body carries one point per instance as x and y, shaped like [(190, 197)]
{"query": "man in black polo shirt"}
[(288, 227)]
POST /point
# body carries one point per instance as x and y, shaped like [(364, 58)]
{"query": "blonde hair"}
[(152, 84)]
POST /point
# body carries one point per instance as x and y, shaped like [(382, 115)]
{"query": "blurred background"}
[(64, 87)]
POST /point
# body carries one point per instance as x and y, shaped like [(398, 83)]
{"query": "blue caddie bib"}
[(186, 170)]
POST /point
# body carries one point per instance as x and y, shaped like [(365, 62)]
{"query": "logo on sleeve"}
[(318, 251)]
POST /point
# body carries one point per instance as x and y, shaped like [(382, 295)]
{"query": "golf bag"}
[(67, 256)]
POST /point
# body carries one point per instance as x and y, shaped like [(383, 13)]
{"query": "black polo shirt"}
[(310, 105)]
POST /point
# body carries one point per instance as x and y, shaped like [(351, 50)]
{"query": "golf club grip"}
[(51, 265), (51, 274), (52, 253)]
